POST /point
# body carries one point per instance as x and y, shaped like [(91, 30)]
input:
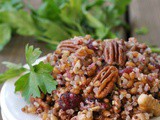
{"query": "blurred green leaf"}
[(56, 20), (14, 70), (21, 21), (11, 5), (12, 65), (141, 31), (52, 31), (49, 10), (5, 35)]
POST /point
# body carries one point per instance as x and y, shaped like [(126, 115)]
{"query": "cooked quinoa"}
[(101, 80)]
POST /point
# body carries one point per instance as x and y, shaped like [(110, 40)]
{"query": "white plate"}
[(12, 103)]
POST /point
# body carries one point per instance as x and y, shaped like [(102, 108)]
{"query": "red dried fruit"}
[(125, 70), (69, 101)]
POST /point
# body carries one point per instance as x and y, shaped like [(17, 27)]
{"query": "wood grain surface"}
[(146, 13)]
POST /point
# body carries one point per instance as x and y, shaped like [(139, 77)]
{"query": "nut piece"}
[(149, 104), (114, 52), (85, 115), (69, 45), (40, 102), (107, 77), (84, 51), (140, 116), (126, 80)]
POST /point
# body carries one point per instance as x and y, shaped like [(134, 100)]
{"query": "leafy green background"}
[(57, 20)]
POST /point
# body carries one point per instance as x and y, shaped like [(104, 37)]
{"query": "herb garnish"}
[(36, 80)]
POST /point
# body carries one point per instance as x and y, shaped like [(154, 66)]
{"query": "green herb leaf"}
[(5, 35), (31, 54), (12, 65), (39, 78), (13, 71), (49, 10), (43, 68), (20, 21), (11, 5)]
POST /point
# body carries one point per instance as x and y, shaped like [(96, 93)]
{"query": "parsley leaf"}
[(32, 55), (12, 65), (13, 71), (39, 78)]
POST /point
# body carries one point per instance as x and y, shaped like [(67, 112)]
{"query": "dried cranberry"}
[(69, 101), (125, 70)]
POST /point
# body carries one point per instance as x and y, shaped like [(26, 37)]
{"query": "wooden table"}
[(146, 13), (141, 13)]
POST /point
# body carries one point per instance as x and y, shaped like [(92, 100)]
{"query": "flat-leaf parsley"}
[(38, 79)]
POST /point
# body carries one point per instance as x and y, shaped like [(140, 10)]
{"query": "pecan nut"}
[(107, 78), (70, 45), (149, 104), (114, 52)]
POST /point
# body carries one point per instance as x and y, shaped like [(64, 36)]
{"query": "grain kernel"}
[(131, 64)]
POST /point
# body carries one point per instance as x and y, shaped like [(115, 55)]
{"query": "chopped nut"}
[(96, 108), (77, 67), (85, 115), (149, 104), (139, 116)]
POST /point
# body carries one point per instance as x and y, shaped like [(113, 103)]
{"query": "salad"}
[(88, 79)]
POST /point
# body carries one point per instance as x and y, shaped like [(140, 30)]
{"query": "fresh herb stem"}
[(47, 40), (80, 29)]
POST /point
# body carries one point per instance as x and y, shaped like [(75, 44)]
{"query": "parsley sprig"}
[(36, 80)]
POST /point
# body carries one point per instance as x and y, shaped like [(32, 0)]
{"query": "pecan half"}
[(68, 45), (106, 79), (114, 52), (71, 45)]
